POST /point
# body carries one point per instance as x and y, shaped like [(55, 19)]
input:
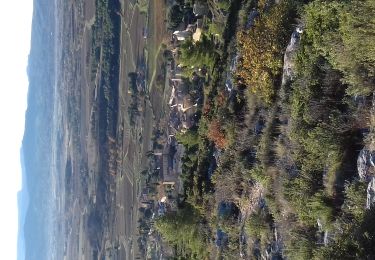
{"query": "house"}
[(191, 27), (176, 80), (197, 35), (145, 204), (169, 184), (184, 103), (173, 96), (169, 163), (198, 30), (182, 35), (187, 123), (174, 118)]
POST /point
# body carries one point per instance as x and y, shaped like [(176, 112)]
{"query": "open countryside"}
[(200, 129)]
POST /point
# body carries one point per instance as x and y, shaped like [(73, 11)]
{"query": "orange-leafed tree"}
[(216, 134)]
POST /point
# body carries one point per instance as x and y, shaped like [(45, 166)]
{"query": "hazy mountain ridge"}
[(23, 203), (37, 136)]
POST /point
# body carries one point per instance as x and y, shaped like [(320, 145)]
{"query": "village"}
[(163, 187)]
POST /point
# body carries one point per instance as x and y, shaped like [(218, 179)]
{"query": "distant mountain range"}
[(34, 198), (23, 203)]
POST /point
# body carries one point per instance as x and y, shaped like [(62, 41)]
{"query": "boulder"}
[(362, 164)]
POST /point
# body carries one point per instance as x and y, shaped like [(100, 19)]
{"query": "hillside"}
[(278, 163), (200, 129)]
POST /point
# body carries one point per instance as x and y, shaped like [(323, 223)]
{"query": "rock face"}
[(370, 193), (288, 69), (366, 164), (366, 170)]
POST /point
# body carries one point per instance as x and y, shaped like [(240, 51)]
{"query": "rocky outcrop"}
[(290, 52), (366, 164), (366, 170), (370, 193), (322, 234)]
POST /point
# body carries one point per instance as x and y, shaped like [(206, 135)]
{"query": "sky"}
[(15, 33)]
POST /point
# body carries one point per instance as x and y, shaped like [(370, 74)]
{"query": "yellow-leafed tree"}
[(261, 49)]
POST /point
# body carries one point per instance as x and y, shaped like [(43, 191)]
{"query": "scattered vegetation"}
[(283, 154)]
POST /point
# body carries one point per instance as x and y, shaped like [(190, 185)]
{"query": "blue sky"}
[(15, 33)]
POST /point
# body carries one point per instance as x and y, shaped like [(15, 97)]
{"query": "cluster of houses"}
[(162, 199), (182, 116), (193, 24)]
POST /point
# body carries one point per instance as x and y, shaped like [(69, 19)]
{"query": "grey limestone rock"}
[(366, 164), (370, 193)]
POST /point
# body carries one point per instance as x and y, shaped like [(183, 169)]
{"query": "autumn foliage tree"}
[(216, 134), (261, 49)]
